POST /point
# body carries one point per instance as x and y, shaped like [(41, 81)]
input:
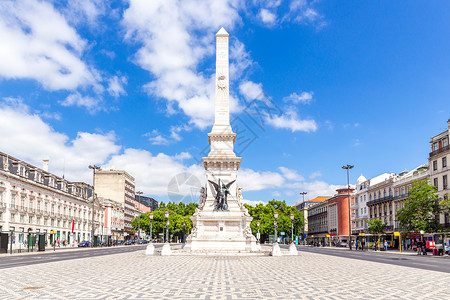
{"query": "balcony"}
[(13, 207), (388, 227), (401, 197), (436, 152), (380, 200)]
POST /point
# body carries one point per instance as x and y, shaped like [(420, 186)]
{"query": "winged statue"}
[(222, 191)]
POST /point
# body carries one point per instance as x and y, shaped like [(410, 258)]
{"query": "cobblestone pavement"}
[(136, 276)]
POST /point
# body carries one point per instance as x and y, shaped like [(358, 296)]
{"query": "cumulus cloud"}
[(251, 90), (47, 51), (76, 99), (85, 11), (315, 174), (267, 17), (291, 121), (175, 36), (304, 98), (115, 86), (35, 140), (291, 174)]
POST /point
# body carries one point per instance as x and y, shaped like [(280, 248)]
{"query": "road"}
[(10, 261), (429, 262)]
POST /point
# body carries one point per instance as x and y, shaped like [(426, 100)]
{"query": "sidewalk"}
[(390, 251)]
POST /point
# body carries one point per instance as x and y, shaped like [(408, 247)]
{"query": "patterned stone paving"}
[(136, 276)]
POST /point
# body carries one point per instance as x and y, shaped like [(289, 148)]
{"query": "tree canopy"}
[(421, 209), (178, 213), (375, 226), (264, 214)]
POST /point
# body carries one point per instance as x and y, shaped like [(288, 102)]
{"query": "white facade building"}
[(36, 201)]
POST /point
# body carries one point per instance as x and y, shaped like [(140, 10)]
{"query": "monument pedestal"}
[(221, 231)]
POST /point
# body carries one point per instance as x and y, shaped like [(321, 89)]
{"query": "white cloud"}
[(115, 86), (33, 140), (253, 202), (175, 37), (301, 11), (304, 98), (252, 180), (267, 17), (90, 103), (315, 174), (85, 11), (39, 44), (291, 174), (154, 172), (251, 90), (357, 143), (291, 121), (156, 138)]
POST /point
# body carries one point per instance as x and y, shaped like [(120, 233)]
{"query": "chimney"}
[(45, 165), (448, 123)]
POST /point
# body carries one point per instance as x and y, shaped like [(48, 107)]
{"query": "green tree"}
[(264, 214), (375, 226), (421, 210), (178, 214)]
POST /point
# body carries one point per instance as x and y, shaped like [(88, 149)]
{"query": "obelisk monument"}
[(221, 223)]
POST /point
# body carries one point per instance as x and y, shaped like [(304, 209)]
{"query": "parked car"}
[(143, 242), (83, 244), (130, 242)]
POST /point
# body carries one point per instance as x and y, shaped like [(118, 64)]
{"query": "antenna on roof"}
[(64, 167)]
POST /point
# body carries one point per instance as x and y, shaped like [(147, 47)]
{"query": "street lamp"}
[(303, 228), (139, 221), (184, 232), (167, 231), (166, 216), (151, 225), (292, 227), (275, 214), (94, 168), (348, 168), (257, 223)]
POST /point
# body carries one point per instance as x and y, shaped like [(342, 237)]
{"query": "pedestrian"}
[(356, 245), (424, 246), (385, 245), (419, 247)]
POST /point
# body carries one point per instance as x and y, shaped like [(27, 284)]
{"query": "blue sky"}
[(129, 85)]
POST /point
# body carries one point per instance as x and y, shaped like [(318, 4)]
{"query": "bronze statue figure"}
[(222, 190)]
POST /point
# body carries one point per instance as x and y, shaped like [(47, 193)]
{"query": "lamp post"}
[(348, 168), (184, 232), (257, 223), (151, 225), (139, 221), (275, 214), (292, 227), (303, 228), (166, 216), (94, 168)]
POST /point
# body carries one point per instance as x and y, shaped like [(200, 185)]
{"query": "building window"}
[(444, 161), (435, 146), (436, 183), (444, 142), (434, 165), (396, 192), (444, 182)]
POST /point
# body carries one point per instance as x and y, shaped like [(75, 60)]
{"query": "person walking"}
[(385, 245), (356, 245)]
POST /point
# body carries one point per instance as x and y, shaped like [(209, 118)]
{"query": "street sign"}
[(396, 233), (362, 233), (282, 233)]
